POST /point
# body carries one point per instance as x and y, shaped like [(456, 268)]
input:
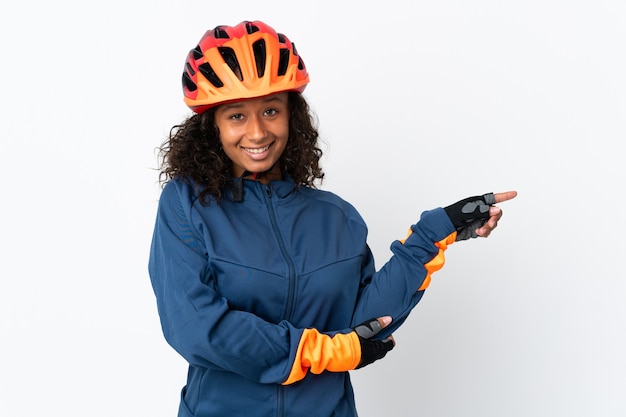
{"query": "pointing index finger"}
[(508, 195)]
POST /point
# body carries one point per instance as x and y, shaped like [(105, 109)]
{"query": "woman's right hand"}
[(373, 349)]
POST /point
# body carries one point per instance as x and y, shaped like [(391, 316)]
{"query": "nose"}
[(256, 128)]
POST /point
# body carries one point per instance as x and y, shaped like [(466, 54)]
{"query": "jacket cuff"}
[(318, 352)]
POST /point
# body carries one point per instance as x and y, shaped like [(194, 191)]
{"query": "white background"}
[(421, 103)]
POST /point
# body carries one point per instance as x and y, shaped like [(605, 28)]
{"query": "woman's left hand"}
[(495, 213), (477, 216)]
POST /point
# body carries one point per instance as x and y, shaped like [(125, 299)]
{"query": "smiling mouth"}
[(256, 150)]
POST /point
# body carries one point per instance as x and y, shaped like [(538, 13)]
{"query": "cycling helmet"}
[(244, 61)]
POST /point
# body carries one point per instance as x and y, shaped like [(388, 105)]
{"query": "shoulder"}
[(180, 193), (324, 196), (175, 188), (333, 202)]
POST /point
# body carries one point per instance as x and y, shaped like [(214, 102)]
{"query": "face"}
[(254, 132)]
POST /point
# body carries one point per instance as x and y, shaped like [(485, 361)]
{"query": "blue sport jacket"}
[(238, 284)]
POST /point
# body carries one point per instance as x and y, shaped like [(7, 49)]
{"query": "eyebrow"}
[(237, 104)]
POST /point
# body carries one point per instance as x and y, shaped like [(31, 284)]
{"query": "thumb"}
[(372, 327)]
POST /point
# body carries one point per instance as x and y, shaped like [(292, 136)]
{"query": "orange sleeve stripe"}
[(438, 261), (319, 352)]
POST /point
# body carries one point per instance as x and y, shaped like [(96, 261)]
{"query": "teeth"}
[(257, 150)]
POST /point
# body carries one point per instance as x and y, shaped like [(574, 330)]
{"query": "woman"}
[(264, 283)]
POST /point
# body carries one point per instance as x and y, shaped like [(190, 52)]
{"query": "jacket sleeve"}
[(198, 323), (398, 286)]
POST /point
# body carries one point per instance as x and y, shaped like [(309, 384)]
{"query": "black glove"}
[(469, 214), (371, 349)]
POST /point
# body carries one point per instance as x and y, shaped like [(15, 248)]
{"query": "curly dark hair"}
[(193, 152)]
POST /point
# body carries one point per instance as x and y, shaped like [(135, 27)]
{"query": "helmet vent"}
[(190, 69), (283, 63), (188, 83), (219, 33), (251, 28), (259, 56), (230, 58), (210, 74), (295, 52), (197, 52)]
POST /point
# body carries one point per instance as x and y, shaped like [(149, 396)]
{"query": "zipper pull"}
[(268, 191)]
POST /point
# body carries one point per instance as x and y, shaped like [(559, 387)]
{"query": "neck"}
[(263, 177)]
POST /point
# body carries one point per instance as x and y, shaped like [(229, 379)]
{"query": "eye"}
[(236, 116), (271, 112)]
